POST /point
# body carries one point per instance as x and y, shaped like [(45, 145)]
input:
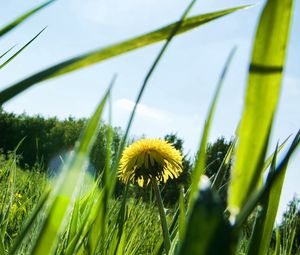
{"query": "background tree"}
[(46, 139)]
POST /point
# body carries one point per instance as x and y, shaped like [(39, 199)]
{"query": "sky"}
[(181, 88)]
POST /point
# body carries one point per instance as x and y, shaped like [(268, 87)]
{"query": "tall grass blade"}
[(68, 188), (22, 18), (207, 232), (278, 245), (270, 158), (264, 82), (73, 223), (6, 52), (111, 51), (201, 155), (218, 179), (257, 197), (182, 216), (29, 223), (20, 50), (262, 232)]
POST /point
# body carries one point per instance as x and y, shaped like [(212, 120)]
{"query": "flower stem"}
[(163, 219)]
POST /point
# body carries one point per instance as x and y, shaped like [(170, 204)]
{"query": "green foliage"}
[(47, 139)]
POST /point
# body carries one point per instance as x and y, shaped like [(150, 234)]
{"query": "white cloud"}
[(142, 110), (154, 122)]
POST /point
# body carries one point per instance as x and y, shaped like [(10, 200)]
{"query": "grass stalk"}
[(163, 218)]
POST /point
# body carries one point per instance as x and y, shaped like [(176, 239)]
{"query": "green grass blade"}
[(182, 216), (22, 18), (278, 245), (20, 50), (29, 223), (88, 222), (2, 248), (6, 52), (270, 158), (68, 188), (201, 155), (218, 179), (73, 223), (256, 198), (122, 244), (110, 51), (264, 82), (206, 232), (262, 232)]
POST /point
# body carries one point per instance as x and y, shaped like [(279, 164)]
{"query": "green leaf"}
[(182, 216), (270, 158), (201, 155), (109, 52), (218, 179), (20, 50), (262, 94), (88, 221), (207, 233), (22, 18), (73, 223), (1, 56), (278, 245), (262, 232), (258, 196)]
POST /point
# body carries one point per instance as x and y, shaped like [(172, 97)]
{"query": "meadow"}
[(75, 213)]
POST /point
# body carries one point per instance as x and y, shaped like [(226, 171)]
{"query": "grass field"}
[(73, 213)]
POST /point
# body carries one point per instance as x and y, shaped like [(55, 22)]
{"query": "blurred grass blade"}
[(87, 221), (1, 56), (278, 245), (68, 188), (73, 223), (256, 198), (22, 18), (206, 225), (201, 155), (262, 232), (20, 50), (264, 82), (111, 51), (2, 248)]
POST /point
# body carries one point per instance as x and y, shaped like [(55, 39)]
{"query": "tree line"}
[(42, 140)]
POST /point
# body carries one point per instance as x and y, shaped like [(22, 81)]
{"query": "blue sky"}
[(180, 90)]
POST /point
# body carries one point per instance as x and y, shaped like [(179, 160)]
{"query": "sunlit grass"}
[(75, 214)]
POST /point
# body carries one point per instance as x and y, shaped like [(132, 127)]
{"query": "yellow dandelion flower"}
[(150, 159)]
